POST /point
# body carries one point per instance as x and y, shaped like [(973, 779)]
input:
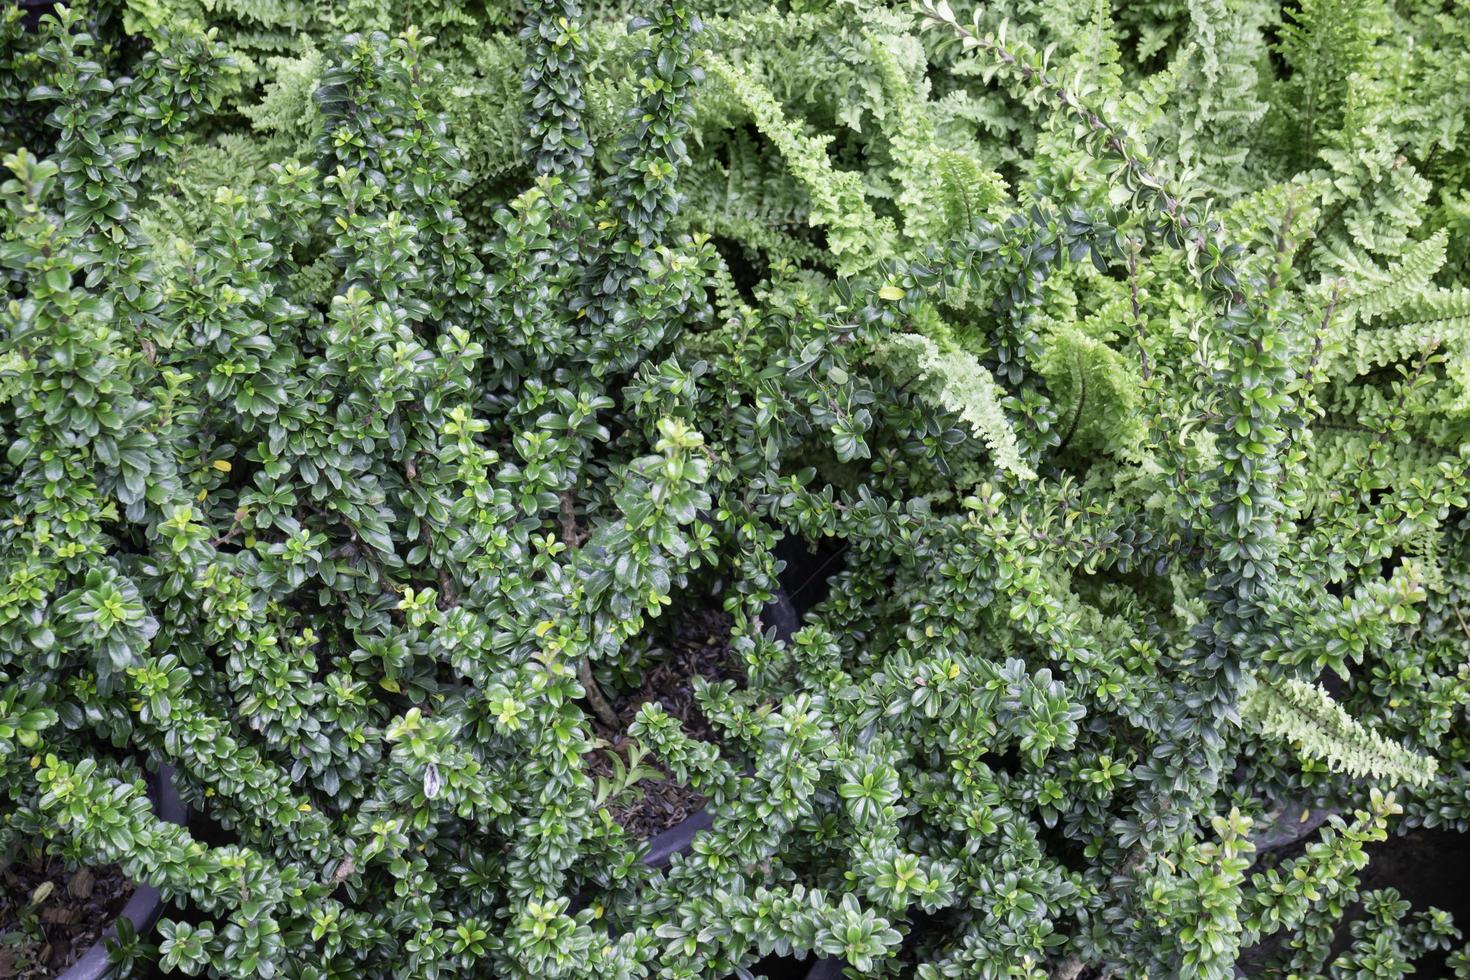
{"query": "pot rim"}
[(1286, 827), (145, 904)]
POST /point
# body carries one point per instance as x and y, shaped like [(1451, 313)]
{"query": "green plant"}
[(368, 401), (624, 775)]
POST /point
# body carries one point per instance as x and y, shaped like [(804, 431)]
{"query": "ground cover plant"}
[(384, 389)]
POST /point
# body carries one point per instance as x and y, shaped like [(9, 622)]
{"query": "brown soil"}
[(699, 646), (41, 939)]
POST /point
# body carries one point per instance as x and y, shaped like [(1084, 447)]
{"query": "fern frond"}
[(856, 236), (956, 381), (1428, 319), (1392, 288), (1097, 388), (942, 191), (1446, 306), (1330, 47), (287, 106), (1307, 717)]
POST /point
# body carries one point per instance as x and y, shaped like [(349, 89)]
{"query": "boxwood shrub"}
[(379, 381)]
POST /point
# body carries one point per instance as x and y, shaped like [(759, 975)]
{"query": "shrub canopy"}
[(377, 384)]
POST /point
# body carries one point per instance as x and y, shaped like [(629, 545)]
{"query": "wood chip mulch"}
[(42, 938)]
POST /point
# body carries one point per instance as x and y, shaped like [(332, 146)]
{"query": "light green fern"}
[(855, 235), (1305, 716), (956, 381), (942, 190), (1387, 290), (1098, 390)]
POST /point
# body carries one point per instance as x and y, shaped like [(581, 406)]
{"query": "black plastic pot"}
[(790, 968), (1288, 827), (34, 10), (1426, 867), (782, 615), (825, 969), (144, 906), (806, 578), (663, 845)]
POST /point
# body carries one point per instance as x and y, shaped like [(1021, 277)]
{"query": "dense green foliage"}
[(375, 377)]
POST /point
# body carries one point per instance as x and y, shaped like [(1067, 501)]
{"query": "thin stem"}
[(572, 538), (1138, 325), (595, 698)]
